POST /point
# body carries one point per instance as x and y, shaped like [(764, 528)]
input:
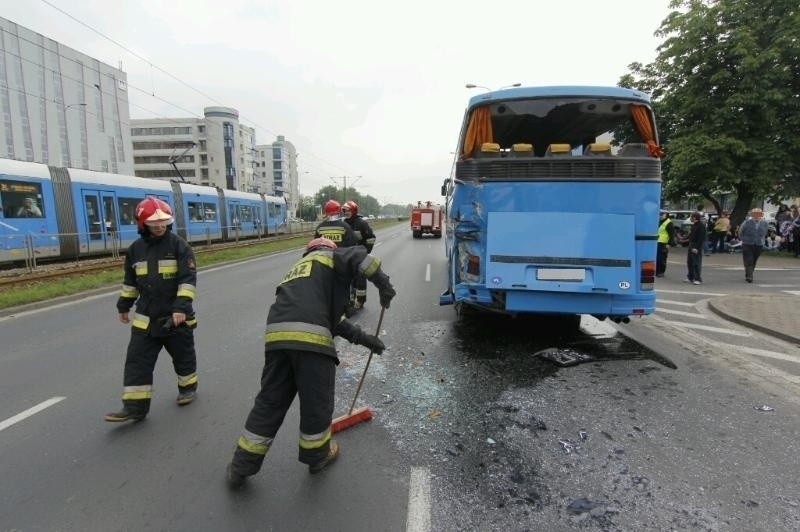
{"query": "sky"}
[(368, 90)]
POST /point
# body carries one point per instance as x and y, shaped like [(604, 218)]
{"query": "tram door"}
[(101, 220)]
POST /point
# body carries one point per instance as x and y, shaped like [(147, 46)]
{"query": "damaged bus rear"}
[(552, 204)]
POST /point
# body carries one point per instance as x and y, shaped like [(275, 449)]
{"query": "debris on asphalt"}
[(764, 408), (582, 505), (564, 356)]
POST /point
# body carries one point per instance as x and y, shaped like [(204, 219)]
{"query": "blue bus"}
[(552, 203)]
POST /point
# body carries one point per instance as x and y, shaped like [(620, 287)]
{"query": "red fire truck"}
[(426, 218)]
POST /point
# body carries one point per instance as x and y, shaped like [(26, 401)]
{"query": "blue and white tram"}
[(59, 212)]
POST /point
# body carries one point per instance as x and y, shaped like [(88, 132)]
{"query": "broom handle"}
[(360, 382)]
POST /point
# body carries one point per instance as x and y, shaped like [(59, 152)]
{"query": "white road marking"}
[(689, 292), (419, 501), (792, 292), (776, 285), (29, 412), (710, 329), (760, 269), (679, 313), (763, 353), (671, 302), (428, 273)]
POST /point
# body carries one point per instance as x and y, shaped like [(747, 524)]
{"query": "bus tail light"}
[(648, 275), (474, 265)]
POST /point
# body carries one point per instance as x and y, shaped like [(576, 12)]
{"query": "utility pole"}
[(344, 179)]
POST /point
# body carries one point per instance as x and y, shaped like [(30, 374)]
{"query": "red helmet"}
[(320, 243), (153, 210), (352, 205), (332, 208)]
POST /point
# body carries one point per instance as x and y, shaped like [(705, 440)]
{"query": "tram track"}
[(57, 270)]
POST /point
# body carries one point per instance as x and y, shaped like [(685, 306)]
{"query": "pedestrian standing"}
[(719, 232), (366, 237), (161, 279), (300, 355), (697, 242), (666, 236), (795, 231), (752, 233)]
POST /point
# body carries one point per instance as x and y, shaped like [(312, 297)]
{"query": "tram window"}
[(21, 200), (210, 212), (93, 217), (245, 213), (127, 210), (196, 211)]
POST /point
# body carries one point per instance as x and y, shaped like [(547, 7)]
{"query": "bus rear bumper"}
[(531, 301)]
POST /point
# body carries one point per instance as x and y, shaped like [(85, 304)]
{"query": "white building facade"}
[(61, 107), (276, 164), (215, 150)]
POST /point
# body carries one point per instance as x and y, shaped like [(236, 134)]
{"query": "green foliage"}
[(726, 92), (366, 204)]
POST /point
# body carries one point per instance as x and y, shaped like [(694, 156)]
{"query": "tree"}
[(726, 93), (366, 204)]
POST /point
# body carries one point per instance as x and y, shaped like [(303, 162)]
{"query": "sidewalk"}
[(774, 314)]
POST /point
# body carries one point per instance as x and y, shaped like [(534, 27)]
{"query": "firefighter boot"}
[(185, 397), (333, 453), (234, 480), (124, 415)]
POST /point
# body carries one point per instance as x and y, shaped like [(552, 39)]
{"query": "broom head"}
[(348, 420)]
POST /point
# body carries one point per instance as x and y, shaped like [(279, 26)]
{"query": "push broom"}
[(357, 415)]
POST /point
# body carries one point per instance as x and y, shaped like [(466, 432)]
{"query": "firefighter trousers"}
[(287, 373), (143, 350)]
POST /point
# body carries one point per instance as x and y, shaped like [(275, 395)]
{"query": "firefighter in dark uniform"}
[(160, 277), (334, 228), (366, 238), (300, 354)]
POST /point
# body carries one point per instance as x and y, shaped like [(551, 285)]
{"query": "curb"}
[(750, 325)]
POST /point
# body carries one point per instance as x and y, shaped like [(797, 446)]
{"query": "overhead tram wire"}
[(182, 82)]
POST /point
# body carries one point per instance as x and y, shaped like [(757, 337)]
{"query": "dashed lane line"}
[(419, 501), (690, 292), (29, 412), (671, 302), (680, 313), (428, 273)]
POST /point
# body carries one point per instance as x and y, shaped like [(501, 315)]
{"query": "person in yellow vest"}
[(666, 236), (719, 232)]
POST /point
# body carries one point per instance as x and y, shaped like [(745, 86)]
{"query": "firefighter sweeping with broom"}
[(300, 354)]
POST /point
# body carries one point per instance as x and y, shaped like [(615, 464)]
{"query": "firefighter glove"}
[(386, 295), (373, 342)]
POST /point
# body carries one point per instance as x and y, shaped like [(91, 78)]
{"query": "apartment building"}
[(60, 106), (276, 166), (215, 150)]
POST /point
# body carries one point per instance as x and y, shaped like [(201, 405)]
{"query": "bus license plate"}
[(560, 274)]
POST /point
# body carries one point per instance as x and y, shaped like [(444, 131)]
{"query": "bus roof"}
[(558, 90)]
